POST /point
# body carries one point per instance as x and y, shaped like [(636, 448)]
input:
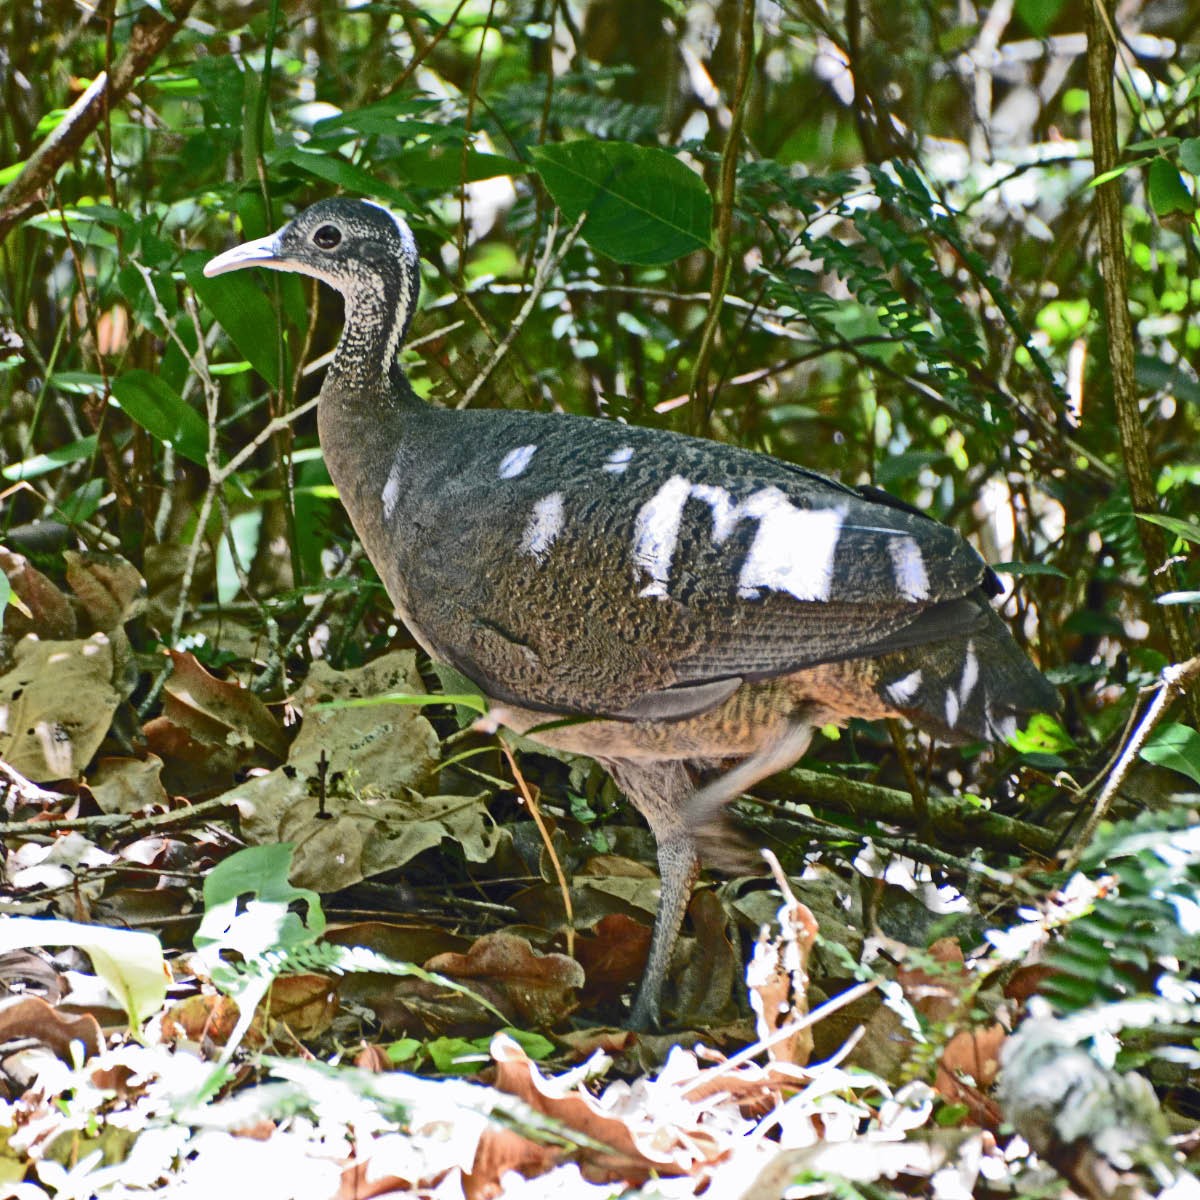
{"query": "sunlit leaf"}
[(643, 205), (129, 962), (1168, 192), (164, 414), (1176, 747)]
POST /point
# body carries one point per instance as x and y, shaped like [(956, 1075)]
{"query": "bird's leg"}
[(706, 804), (660, 793), (678, 868)]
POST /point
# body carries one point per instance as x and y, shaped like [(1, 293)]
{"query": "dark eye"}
[(327, 236)]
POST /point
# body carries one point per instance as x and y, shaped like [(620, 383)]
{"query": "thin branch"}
[(1101, 60), (958, 821), (559, 874), (550, 262), (728, 184), (1176, 681), (150, 35)]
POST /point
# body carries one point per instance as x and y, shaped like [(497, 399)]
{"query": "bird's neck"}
[(377, 315)]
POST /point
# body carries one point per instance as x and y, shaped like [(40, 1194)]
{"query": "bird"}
[(684, 612)]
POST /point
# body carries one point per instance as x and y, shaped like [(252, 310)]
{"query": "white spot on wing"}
[(725, 514), (545, 524), (656, 532), (618, 460), (952, 707), (902, 690), (793, 549), (515, 462), (970, 675), (391, 492), (909, 564)]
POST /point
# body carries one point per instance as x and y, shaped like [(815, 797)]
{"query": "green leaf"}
[(130, 963), (458, 1056), (1176, 747), (334, 169), (643, 205), (260, 873), (1023, 568), (536, 1046), (1189, 154), (162, 413), (40, 464), (1116, 172), (77, 383), (1168, 192), (444, 167), (1038, 15), (242, 309), (1188, 530), (1043, 735)]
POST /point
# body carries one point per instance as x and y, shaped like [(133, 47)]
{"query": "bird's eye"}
[(327, 237)]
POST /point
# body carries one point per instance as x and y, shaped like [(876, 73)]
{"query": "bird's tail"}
[(973, 685)]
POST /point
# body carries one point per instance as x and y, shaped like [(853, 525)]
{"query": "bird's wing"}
[(632, 572)]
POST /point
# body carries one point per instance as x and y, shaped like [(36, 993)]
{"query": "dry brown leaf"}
[(540, 988), (357, 836), (935, 995), (373, 1058), (109, 587), (968, 1069), (217, 711), (30, 1017), (127, 785), (50, 614), (56, 705), (206, 1018), (612, 956), (502, 1150), (305, 1003), (373, 756), (192, 767), (708, 968), (640, 1143)]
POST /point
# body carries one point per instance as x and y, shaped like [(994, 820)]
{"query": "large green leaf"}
[(337, 170), (162, 412), (129, 962), (445, 166), (1176, 747), (643, 205), (1188, 530), (243, 311), (1168, 192)]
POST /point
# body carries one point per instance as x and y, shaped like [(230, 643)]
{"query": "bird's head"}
[(361, 249)]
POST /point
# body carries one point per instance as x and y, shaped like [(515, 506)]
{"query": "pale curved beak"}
[(262, 252)]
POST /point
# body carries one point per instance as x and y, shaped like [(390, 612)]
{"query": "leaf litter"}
[(123, 1071)]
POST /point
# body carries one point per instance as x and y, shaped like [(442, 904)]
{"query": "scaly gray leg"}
[(660, 792)]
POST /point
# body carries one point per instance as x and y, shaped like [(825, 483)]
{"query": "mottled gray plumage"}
[(701, 603)]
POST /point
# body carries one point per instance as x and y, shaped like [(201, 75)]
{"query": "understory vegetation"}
[(278, 902)]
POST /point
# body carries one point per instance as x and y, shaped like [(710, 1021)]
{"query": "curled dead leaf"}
[(218, 711), (110, 588), (30, 1017), (47, 611), (539, 988), (777, 976)]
